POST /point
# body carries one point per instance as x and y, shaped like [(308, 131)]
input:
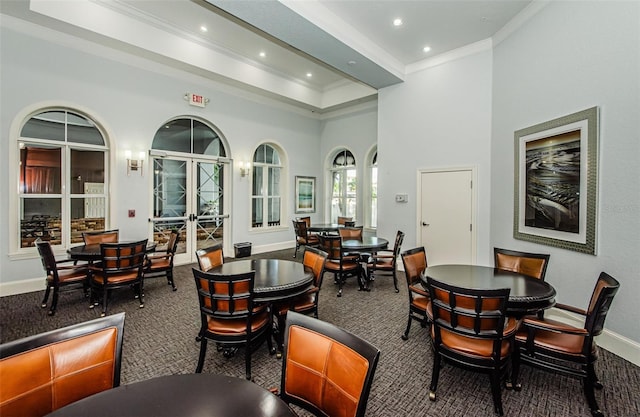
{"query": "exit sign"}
[(197, 100)]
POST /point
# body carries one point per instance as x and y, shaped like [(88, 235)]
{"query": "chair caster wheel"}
[(404, 337), (103, 314), (51, 312), (279, 355), (175, 289), (141, 305), (597, 413), (432, 396), (44, 305)]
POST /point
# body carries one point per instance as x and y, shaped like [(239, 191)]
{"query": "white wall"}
[(439, 117), (569, 57), (133, 98)]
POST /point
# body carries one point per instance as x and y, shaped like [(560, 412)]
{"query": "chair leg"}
[(203, 352), (340, 279), (295, 253), (496, 391), (170, 280), (105, 294), (405, 336), (395, 281), (46, 296), (515, 371), (54, 302), (435, 374), (247, 361), (589, 384)]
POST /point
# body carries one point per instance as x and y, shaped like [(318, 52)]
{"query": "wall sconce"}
[(245, 167), (134, 164)]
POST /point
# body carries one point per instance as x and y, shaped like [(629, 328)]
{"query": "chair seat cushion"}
[(236, 326), (477, 347), (70, 275), (159, 263), (306, 301), (117, 278), (420, 301), (334, 266), (558, 342)]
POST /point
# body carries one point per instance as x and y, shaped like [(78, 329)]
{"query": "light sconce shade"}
[(245, 167), (134, 164)]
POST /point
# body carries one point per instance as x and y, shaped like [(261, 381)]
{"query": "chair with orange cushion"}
[(341, 264), (470, 330), (160, 264), (121, 266), (526, 263), (211, 257), (47, 371), (307, 303), (102, 236), (415, 262), (386, 261), (61, 274), (228, 315), (343, 220), (562, 348), (325, 369), (303, 237)]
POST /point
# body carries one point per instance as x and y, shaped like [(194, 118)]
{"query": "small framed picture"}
[(305, 194)]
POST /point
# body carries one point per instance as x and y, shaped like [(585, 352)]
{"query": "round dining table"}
[(275, 279), (325, 227), (188, 395), (528, 294), (367, 243)]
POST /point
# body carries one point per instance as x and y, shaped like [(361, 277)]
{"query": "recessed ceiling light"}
[(203, 28), (397, 22), (426, 48), (309, 75), (262, 54)]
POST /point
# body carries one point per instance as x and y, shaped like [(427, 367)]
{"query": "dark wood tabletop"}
[(367, 243), (276, 279), (189, 395), (528, 295), (92, 252), (324, 227)]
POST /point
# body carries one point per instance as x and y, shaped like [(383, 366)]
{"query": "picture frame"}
[(556, 182), (305, 194)]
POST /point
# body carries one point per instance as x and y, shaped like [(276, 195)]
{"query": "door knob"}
[(425, 224)]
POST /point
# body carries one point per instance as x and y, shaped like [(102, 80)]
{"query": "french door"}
[(189, 196)]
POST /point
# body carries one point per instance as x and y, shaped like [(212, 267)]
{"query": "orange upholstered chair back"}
[(326, 370), (531, 264), (104, 236), (44, 372), (210, 258)]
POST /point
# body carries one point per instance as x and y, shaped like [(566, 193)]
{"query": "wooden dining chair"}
[(211, 257), (325, 369), (64, 274), (470, 330), (526, 263), (160, 263), (386, 261), (341, 264), (307, 303), (102, 236), (342, 220), (415, 262), (565, 349), (47, 371), (303, 237), (229, 317), (121, 266)]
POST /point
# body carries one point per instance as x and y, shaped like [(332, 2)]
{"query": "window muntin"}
[(266, 198), (344, 186), (61, 179)]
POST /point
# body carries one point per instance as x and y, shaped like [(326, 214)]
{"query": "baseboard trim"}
[(21, 287)]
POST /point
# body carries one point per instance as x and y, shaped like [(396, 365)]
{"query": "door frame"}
[(474, 203), (192, 160)]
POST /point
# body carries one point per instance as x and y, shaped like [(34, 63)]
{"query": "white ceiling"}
[(350, 47)]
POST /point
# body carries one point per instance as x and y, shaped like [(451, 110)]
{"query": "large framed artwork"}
[(556, 182), (305, 194)]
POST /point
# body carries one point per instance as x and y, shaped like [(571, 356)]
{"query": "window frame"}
[(266, 168), (66, 146), (343, 193), (372, 173)]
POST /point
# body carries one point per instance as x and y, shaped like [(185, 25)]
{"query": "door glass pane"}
[(162, 231), (40, 171), (169, 188), (209, 191), (86, 167), (40, 218)]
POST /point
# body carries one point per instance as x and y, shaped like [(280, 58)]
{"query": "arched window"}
[(188, 135), (372, 212), (266, 196), (62, 182), (344, 185)]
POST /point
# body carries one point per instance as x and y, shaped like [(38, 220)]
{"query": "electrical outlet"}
[(402, 198)]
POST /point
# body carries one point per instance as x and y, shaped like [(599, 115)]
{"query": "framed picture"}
[(556, 182), (305, 194)]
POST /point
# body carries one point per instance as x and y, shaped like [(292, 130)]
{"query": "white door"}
[(446, 228)]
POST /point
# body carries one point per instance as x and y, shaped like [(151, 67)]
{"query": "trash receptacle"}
[(242, 249)]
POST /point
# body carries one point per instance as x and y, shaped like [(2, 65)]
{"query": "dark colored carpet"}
[(160, 340)]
